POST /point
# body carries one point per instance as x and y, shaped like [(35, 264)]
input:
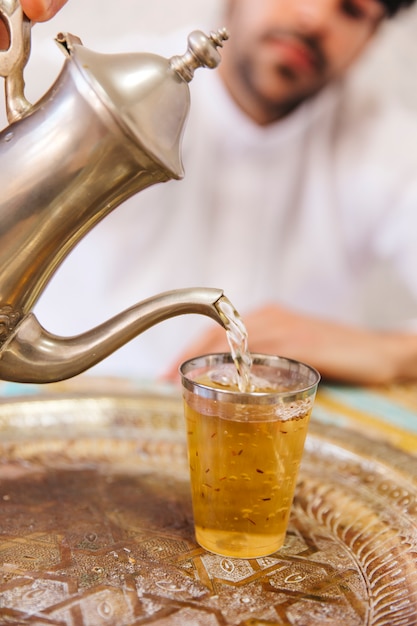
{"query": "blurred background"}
[(391, 63), (390, 66)]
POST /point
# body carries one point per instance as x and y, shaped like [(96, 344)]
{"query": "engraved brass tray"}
[(96, 525)]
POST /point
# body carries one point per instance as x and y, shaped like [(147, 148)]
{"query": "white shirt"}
[(297, 213)]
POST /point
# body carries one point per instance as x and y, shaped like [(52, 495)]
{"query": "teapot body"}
[(64, 167)]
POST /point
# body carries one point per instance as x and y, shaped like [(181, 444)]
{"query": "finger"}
[(41, 10)]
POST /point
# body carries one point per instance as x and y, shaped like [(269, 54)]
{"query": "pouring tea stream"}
[(110, 126)]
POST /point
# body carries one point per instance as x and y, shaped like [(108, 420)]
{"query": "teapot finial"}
[(202, 52)]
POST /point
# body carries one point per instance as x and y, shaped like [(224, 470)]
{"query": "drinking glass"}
[(245, 449)]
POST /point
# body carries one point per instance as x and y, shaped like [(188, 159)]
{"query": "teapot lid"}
[(148, 94)]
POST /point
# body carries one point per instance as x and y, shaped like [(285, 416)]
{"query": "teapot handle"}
[(14, 58)]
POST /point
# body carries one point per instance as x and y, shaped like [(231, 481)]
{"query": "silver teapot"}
[(110, 126)]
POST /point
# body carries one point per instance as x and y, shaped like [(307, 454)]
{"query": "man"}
[(295, 186), (281, 55)]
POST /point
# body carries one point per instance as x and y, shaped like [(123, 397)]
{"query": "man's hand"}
[(340, 353)]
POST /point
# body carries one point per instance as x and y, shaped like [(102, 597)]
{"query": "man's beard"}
[(297, 92), (275, 108)]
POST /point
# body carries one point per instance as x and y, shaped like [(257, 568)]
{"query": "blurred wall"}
[(156, 16), (391, 61)]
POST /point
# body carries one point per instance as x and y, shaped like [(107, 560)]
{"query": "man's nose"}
[(315, 16)]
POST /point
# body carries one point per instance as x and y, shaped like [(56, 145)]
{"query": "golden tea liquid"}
[(244, 460)]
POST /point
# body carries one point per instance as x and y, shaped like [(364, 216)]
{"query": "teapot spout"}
[(33, 355)]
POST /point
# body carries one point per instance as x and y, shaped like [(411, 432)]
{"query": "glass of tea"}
[(245, 449)]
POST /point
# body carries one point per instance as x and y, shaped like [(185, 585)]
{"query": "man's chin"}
[(279, 90), (295, 86), (277, 106)]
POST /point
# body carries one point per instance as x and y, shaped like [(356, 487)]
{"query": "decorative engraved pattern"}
[(96, 526), (8, 320)]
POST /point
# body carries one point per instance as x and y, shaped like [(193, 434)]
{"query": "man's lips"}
[(296, 53)]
